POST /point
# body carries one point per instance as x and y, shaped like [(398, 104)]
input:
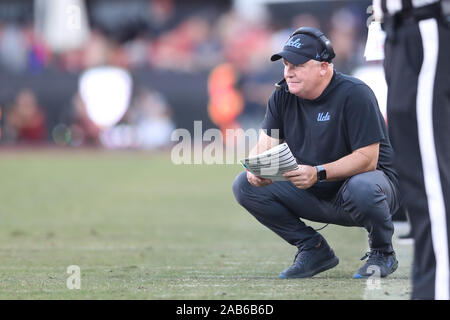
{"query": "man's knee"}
[(362, 194), (240, 184)]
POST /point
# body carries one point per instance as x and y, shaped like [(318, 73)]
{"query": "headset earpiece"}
[(328, 52)]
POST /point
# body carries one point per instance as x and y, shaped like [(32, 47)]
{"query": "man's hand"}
[(257, 181), (303, 178)]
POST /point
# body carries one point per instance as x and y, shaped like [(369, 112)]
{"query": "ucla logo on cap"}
[(294, 43)]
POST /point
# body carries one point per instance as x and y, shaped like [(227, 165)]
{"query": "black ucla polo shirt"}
[(345, 117)]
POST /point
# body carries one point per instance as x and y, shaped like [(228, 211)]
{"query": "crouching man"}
[(334, 128)]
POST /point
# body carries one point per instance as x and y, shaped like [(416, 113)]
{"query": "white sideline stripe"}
[(424, 109)]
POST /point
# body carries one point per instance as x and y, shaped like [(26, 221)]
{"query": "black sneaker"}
[(379, 264), (311, 261)]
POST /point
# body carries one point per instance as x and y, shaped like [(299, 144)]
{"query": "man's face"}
[(302, 79)]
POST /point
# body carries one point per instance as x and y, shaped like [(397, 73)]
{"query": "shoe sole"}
[(330, 264), (359, 276)]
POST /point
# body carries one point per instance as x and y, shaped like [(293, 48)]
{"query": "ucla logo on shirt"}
[(294, 43), (321, 117)]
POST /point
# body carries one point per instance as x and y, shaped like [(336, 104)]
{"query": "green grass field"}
[(140, 227)]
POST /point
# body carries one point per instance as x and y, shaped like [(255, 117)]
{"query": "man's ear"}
[(323, 68)]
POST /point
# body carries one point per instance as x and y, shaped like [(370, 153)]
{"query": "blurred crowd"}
[(195, 43)]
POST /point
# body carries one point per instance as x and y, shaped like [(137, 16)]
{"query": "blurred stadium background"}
[(180, 60), (79, 78)]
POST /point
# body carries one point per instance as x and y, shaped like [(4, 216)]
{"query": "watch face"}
[(321, 173)]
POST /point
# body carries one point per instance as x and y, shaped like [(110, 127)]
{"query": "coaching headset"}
[(327, 53)]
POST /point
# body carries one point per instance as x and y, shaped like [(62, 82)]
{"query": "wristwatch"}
[(321, 173)]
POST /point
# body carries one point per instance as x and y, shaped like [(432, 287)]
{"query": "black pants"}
[(365, 200), (417, 67)]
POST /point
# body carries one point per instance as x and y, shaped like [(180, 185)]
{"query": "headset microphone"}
[(279, 84)]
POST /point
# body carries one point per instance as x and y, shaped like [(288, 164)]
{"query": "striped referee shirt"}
[(391, 7)]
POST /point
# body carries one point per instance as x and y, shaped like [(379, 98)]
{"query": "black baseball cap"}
[(300, 49)]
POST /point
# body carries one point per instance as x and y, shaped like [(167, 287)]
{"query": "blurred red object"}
[(26, 119), (225, 101)]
